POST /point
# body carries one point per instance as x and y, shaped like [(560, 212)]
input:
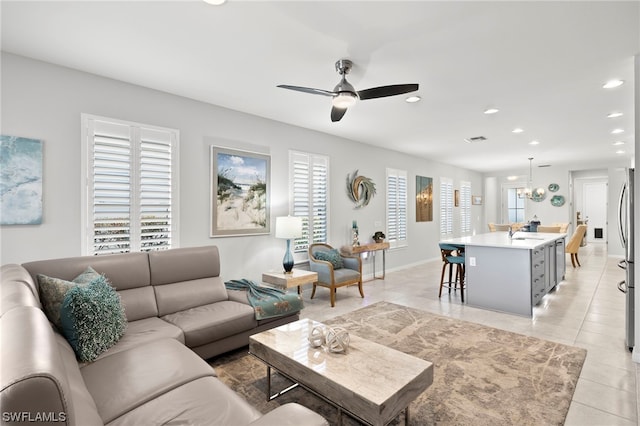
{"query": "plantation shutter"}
[(465, 206), (308, 177), (129, 187), (396, 207), (446, 206)]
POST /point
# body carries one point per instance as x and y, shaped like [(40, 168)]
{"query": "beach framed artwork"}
[(20, 181), (239, 192)]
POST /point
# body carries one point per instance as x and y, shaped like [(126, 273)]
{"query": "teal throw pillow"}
[(332, 256), (92, 318), (53, 290)]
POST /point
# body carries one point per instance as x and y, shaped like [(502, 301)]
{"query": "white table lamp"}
[(288, 227)]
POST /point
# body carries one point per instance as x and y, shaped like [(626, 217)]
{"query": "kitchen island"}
[(511, 274)]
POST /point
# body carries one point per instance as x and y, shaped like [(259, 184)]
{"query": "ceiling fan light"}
[(344, 100)]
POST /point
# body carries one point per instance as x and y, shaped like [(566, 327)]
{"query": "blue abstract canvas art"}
[(20, 181)]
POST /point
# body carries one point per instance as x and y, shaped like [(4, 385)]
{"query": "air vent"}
[(475, 139), (544, 165)]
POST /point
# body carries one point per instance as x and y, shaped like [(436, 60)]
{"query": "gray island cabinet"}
[(511, 274)]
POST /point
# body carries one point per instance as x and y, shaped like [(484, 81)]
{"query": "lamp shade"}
[(288, 227)]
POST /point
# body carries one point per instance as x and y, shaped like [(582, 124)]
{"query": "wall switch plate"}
[(377, 223), (472, 261)]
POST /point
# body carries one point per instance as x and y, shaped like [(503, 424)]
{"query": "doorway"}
[(591, 203)]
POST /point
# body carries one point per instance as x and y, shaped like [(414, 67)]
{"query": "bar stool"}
[(449, 259)]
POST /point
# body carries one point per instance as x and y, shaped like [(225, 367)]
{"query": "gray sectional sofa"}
[(178, 312)]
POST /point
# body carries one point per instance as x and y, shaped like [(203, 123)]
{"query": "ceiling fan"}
[(344, 95)]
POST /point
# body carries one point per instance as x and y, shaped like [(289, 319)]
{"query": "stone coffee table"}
[(371, 382)]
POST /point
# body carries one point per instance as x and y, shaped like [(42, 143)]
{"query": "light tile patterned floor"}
[(586, 310)]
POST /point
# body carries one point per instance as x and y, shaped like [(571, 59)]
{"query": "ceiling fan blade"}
[(337, 113), (308, 90), (384, 91)]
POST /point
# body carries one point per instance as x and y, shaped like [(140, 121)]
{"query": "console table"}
[(365, 248)]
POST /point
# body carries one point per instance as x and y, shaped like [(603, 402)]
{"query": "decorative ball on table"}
[(337, 339), (316, 336)]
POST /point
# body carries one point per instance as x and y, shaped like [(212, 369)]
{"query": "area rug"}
[(482, 375)]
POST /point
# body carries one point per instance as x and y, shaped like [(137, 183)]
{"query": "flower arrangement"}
[(379, 237)]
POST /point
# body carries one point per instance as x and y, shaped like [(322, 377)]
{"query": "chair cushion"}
[(343, 275), (92, 318), (332, 256)]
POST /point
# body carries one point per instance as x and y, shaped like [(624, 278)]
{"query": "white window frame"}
[(446, 206), (465, 207), (397, 209), (309, 197), (138, 139)]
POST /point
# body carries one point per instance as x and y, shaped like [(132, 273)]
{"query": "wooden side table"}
[(372, 247), (296, 278)]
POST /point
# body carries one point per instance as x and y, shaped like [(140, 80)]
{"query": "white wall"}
[(44, 101)]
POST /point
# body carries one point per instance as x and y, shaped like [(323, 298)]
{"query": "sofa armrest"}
[(323, 268), (290, 414)]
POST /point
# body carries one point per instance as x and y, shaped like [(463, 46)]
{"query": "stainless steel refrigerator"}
[(626, 230)]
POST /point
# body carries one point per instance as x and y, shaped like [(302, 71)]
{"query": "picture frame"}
[(240, 192), (456, 197), (476, 200), (424, 199)]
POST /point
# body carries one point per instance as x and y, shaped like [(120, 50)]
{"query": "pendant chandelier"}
[(529, 191)]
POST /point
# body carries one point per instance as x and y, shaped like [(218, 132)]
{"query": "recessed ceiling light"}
[(615, 115), (517, 130), (620, 151), (617, 131), (215, 2), (512, 177), (618, 143), (534, 143), (413, 99), (612, 84), (491, 111)]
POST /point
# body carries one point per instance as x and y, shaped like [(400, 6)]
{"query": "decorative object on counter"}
[(553, 187), (288, 227), (337, 339), (537, 194), (316, 336), (424, 199), (21, 181), (360, 189), (354, 234), (557, 200), (533, 224), (379, 237)]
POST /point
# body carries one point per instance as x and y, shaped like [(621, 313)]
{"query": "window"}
[(515, 205), (446, 206), (309, 180), (397, 207), (465, 207), (130, 181)]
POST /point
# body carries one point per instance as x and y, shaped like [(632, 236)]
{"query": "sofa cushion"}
[(183, 295), (184, 264), (143, 331), (206, 401), (208, 323), (53, 291), (143, 373), (139, 303), (92, 318)]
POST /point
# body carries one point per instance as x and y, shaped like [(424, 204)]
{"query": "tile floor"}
[(586, 310)]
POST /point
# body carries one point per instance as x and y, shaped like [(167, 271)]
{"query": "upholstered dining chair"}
[(334, 269), (564, 226), (493, 227), (551, 229), (573, 245), (452, 255)]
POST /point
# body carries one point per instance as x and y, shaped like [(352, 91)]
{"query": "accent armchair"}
[(334, 269)]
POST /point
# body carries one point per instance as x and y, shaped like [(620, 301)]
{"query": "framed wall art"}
[(476, 200), (424, 199), (20, 181), (239, 192)]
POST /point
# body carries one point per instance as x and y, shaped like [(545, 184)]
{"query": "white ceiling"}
[(541, 63)]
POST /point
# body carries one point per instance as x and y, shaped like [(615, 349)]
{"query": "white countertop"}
[(522, 240)]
